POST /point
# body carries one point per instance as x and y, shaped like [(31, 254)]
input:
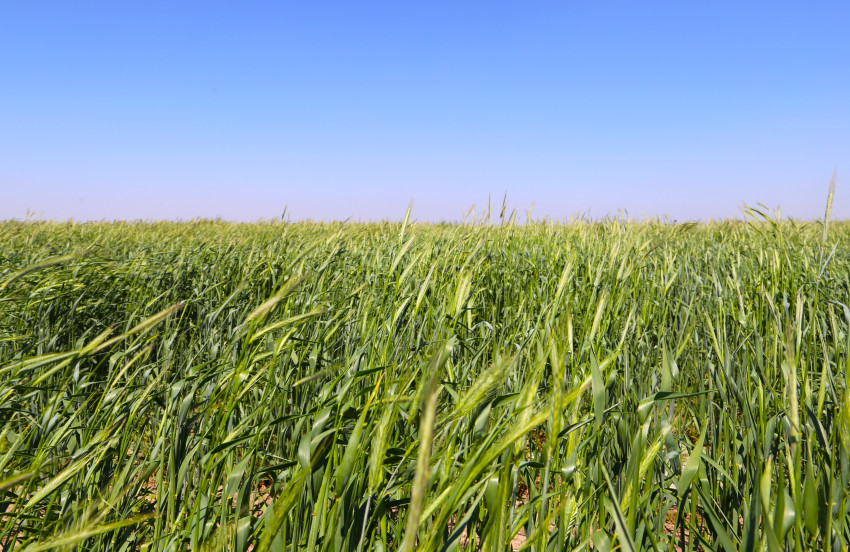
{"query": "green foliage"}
[(352, 387)]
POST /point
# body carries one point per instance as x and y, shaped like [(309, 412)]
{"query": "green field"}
[(397, 386)]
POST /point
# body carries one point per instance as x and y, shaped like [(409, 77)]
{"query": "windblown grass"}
[(354, 387)]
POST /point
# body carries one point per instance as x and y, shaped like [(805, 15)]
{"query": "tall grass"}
[(299, 386)]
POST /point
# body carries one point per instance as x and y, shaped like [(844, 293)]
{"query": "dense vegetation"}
[(399, 386)]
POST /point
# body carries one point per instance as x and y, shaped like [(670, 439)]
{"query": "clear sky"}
[(180, 109)]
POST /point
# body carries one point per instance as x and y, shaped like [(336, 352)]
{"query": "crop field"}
[(274, 386)]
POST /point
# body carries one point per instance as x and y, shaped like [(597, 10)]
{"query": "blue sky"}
[(162, 110)]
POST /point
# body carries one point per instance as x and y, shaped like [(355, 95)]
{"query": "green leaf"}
[(600, 397), (69, 539), (236, 475), (811, 503), (691, 467)]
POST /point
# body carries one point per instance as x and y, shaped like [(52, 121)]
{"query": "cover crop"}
[(398, 386)]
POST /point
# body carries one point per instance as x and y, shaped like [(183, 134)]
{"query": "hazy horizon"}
[(475, 214)]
